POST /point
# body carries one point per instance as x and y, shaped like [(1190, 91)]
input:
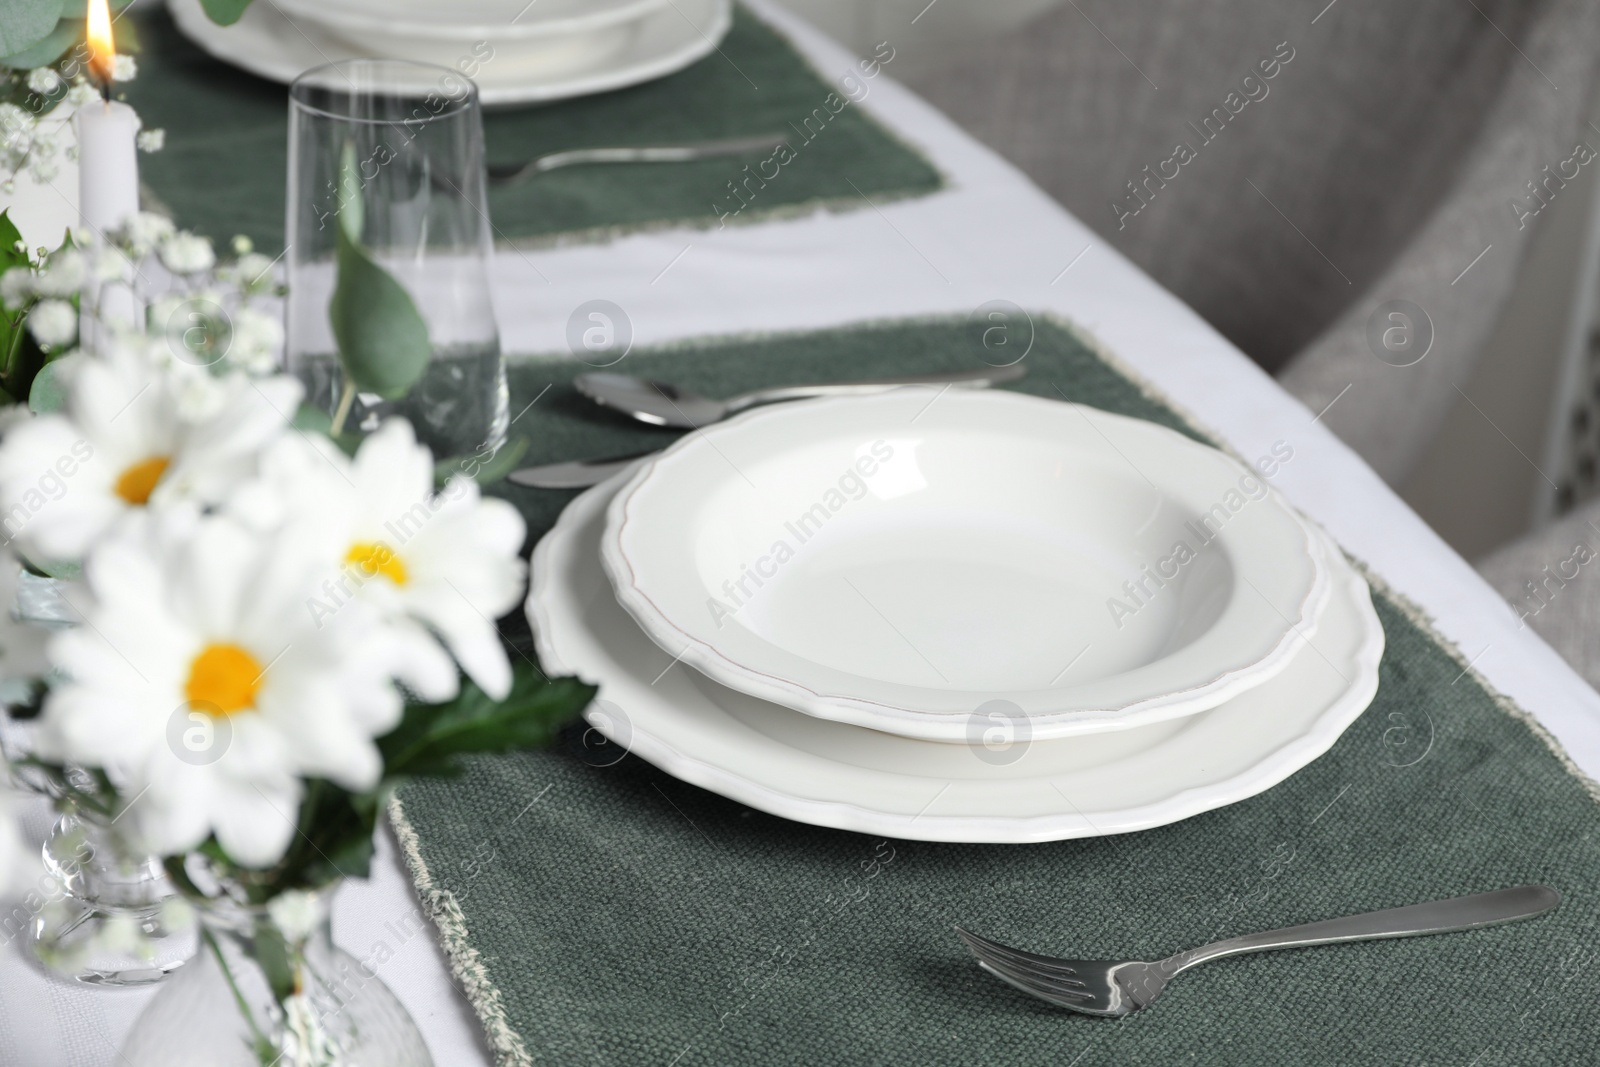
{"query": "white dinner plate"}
[(832, 774), (267, 43), (899, 561)]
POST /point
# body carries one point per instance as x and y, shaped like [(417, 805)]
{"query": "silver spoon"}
[(665, 404), (508, 173)]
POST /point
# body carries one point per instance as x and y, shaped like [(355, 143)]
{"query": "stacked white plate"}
[(956, 616), (516, 50)]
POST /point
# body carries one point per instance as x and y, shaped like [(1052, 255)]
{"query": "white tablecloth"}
[(991, 235)]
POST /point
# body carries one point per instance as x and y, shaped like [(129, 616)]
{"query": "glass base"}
[(110, 921), (118, 948)]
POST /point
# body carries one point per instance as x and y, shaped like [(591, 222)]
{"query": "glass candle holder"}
[(391, 153)]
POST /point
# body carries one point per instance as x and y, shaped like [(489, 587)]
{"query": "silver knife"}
[(578, 474)]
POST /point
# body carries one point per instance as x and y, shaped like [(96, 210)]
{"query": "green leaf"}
[(348, 207), (310, 419), (383, 342), (49, 392), (431, 737), (272, 956), (11, 331), (10, 237), (24, 23), (48, 49), (225, 12), (484, 471)]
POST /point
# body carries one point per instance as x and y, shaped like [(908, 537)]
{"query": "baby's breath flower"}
[(112, 265), (151, 140), (43, 81), (53, 322), (145, 231), (16, 288), (187, 253), (295, 914), (80, 94), (63, 274), (257, 337), (124, 69)]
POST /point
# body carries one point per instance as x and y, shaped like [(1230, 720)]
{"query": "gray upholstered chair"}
[(1336, 156), (1552, 581)]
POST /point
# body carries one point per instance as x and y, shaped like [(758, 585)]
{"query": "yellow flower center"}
[(375, 558), (137, 482), (223, 679)]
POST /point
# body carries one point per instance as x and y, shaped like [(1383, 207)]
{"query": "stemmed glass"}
[(391, 152)]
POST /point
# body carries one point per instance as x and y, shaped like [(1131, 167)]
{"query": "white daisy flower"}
[(200, 684), (139, 431), (449, 561), (53, 322)]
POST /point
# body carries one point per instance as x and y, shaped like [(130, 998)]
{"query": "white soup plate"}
[(899, 561)]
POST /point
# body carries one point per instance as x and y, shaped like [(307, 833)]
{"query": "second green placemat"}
[(222, 170)]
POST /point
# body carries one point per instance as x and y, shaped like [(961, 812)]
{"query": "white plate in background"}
[(267, 43)]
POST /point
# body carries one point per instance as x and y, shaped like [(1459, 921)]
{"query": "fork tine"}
[(1023, 972), (982, 946), (1068, 1000)]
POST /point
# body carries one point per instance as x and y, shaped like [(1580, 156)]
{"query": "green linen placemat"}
[(222, 170), (614, 915)]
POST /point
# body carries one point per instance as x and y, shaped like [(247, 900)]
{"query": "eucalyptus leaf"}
[(24, 23), (79, 8), (383, 341), (48, 392), (308, 419), (348, 206), (487, 471), (48, 49), (225, 12)]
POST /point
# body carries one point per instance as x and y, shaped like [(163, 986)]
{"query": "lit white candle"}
[(108, 159), (108, 165)]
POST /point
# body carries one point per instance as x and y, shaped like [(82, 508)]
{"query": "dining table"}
[(986, 239)]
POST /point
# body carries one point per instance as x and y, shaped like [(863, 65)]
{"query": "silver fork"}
[(1120, 987)]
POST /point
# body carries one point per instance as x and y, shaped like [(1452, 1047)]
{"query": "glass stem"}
[(346, 397)]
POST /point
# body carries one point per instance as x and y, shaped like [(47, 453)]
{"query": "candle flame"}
[(102, 49)]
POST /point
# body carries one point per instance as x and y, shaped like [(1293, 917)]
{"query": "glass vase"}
[(101, 914), (265, 992), (392, 152)]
